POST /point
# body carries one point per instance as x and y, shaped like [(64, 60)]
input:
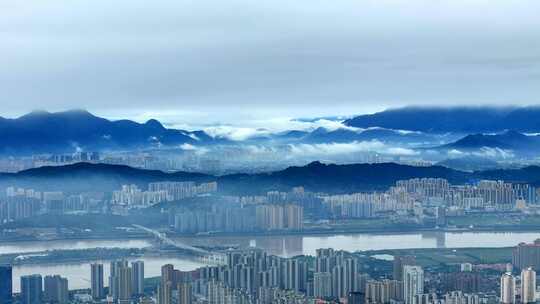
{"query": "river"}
[(290, 245)]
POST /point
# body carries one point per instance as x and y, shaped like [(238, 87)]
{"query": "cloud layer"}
[(286, 58), (333, 149)]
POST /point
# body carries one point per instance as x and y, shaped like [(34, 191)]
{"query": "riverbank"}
[(390, 230), (305, 232)]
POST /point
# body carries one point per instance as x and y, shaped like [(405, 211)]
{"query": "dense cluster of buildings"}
[(252, 276), (237, 218), (498, 195), (415, 194), (125, 282), (413, 199), (35, 289), (275, 211), (130, 196), (20, 203)]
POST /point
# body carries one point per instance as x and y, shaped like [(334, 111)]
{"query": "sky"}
[(245, 62)]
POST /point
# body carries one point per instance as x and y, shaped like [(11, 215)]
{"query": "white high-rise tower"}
[(528, 286), (508, 289)]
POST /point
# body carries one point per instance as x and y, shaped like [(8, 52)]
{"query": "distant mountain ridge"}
[(316, 176), (453, 119), (345, 135), (510, 140), (63, 132)]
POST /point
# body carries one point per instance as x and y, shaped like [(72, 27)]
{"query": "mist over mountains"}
[(316, 176), (511, 140), (433, 134), (453, 119), (44, 132)]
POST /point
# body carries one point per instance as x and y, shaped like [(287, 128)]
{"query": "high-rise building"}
[(338, 281), (527, 255), (399, 262), (137, 277), (458, 297), (413, 282), (113, 278), (528, 286), (166, 286), (383, 291), (440, 216), (96, 277), (164, 293), (277, 217), (508, 289), (6, 278), (351, 272), (468, 282), (325, 260), (31, 289), (56, 290), (167, 273), (295, 275), (120, 281), (322, 284), (185, 293), (294, 217), (356, 297), (124, 283)]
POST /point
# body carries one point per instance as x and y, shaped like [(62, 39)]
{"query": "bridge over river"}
[(201, 254)]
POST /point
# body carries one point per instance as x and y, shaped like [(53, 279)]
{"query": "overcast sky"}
[(224, 60)]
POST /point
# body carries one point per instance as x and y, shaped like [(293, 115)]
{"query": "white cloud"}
[(248, 127), (496, 153), (257, 149), (455, 153), (280, 55), (193, 136), (235, 133), (347, 148), (188, 147), (196, 149)]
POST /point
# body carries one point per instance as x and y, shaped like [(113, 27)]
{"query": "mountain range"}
[(322, 135), (463, 120), (509, 140), (316, 176), (66, 132), (44, 132)]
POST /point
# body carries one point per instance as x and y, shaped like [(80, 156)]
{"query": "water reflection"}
[(438, 236)]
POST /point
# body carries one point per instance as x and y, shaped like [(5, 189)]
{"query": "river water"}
[(79, 274)]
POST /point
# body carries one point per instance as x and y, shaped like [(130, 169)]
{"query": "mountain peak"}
[(154, 123), (315, 164), (35, 113), (513, 133), (54, 132), (76, 112)]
